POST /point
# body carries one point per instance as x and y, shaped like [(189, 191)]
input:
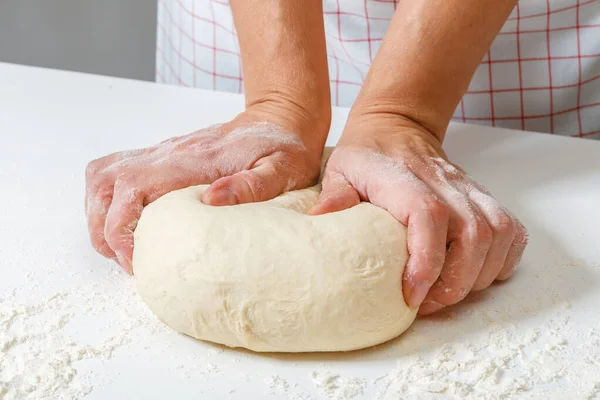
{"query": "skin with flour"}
[(459, 238)]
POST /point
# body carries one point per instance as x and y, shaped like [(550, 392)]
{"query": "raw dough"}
[(268, 277)]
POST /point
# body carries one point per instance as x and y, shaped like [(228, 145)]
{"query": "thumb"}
[(336, 195), (261, 183)]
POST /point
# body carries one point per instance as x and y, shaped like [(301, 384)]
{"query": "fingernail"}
[(223, 197), (429, 307), (418, 294)]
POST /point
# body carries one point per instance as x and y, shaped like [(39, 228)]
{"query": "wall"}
[(109, 37)]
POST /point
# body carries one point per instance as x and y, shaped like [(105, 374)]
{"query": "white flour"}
[(40, 359), (506, 365), (36, 359), (277, 384), (337, 387)]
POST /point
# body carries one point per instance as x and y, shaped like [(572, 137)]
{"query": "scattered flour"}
[(39, 359), (36, 359), (506, 365), (300, 396), (336, 387), (277, 384), (210, 368)]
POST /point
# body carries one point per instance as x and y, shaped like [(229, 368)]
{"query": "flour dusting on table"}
[(504, 366), (41, 359), (334, 386), (38, 357)]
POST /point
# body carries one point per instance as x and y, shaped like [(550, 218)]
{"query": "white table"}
[(71, 324)]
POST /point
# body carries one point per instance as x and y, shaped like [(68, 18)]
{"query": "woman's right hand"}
[(255, 157)]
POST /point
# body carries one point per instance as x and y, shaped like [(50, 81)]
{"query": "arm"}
[(428, 57), (284, 61)]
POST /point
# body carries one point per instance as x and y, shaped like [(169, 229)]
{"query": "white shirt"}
[(542, 72)]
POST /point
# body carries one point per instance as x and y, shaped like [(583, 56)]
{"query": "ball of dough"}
[(268, 277)]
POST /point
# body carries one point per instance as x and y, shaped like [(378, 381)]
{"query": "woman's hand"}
[(255, 157), (460, 238)]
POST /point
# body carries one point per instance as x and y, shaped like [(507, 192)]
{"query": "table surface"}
[(72, 325)]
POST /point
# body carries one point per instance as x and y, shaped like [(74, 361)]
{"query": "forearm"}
[(284, 61), (427, 59)]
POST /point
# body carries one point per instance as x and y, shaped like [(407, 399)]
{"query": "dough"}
[(268, 277)]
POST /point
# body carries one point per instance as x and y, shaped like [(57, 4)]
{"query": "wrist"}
[(299, 114), (390, 134), (393, 109)]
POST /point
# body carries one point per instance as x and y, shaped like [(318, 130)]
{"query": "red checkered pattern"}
[(542, 72)]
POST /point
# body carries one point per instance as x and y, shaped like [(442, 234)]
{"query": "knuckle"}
[(253, 183), (478, 231), (127, 190), (98, 205), (94, 167), (501, 223), (437, 208), (98, 175), (103, 195), (124, 180)]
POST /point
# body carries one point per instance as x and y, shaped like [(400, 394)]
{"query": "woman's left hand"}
[(460, 238)]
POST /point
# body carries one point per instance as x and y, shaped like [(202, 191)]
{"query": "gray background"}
[(109, 37)]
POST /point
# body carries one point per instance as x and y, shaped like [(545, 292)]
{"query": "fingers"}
[(503, 229), (427, 227), (426, 240), (260, 183), (98, 196), (97, 206), (121, 220), (426, 217), (413, 204), (446, 207), (336, 195), (471, 238), (515, 252)]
